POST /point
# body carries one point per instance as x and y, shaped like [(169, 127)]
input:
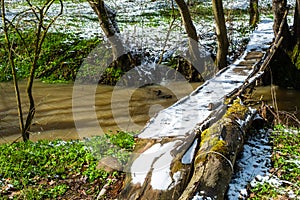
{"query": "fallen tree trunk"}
[(164, 165), (214, 161)]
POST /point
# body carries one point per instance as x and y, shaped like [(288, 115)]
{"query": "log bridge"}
[(188, 150)]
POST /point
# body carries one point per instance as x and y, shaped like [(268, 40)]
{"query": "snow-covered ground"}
[(141, 23), (254, 162)]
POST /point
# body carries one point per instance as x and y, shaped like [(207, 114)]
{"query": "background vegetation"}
[(60, 169)]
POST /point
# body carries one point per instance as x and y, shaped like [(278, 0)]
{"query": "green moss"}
[(236, 109), (220, 146), (296, 56), (177, 166), (213, 142), (204, 136)]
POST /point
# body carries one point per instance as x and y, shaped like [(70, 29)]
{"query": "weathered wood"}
[(220, 144), (162, 165), (221, 32), (171, 177)]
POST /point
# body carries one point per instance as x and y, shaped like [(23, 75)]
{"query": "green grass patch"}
[(286, 166), (61, 56), (52, 169)]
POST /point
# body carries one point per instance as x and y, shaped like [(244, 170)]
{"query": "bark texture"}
[(197, 64), (179, 172), (297, 22), (106, 17), (221, 31), (279, 9), (286, 63), (220, 144), (254, 13)]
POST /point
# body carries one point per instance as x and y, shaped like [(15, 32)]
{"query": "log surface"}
[(162, 167)]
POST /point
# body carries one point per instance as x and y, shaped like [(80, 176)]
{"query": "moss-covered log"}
[(165, 166), (214, 161)]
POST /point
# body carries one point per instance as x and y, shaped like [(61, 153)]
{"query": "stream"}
[(54, 115)]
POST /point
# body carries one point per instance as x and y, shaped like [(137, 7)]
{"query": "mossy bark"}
[(211, 168), (254, 13), (220, 144)]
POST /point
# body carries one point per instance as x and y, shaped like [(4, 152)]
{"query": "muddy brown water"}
[(130, 110), (54, 118), (286, 99)]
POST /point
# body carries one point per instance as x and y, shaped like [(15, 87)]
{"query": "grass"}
[(59, 169), (286, 167), (61, 56)]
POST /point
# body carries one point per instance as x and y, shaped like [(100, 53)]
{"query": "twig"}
[(274, 114), (168, 34)]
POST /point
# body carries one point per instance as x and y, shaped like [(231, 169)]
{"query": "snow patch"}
[(158, 159), (255, 161), (200, 196), (189, 155)]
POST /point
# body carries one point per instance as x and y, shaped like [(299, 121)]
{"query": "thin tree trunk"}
[(106, 17), (297, 22), (221, 31), (197, 64), (42, 29), (254, 13), (13, 68)]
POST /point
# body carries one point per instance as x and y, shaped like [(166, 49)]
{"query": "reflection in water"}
[(132, 108), (287, 100)]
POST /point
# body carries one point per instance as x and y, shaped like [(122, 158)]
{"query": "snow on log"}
[(214, 161), (162, 165)]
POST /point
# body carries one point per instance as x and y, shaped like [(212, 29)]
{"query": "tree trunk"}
[(41, 31), (286, 64), (194, 52), (279, 9), (297, 22), (254, 13), (189, 27), (221, 31), (106, 17), (214, 161), (11, 58)]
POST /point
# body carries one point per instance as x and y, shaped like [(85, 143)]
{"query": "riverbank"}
[(283, 178), (63, 169), (71, 170)]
